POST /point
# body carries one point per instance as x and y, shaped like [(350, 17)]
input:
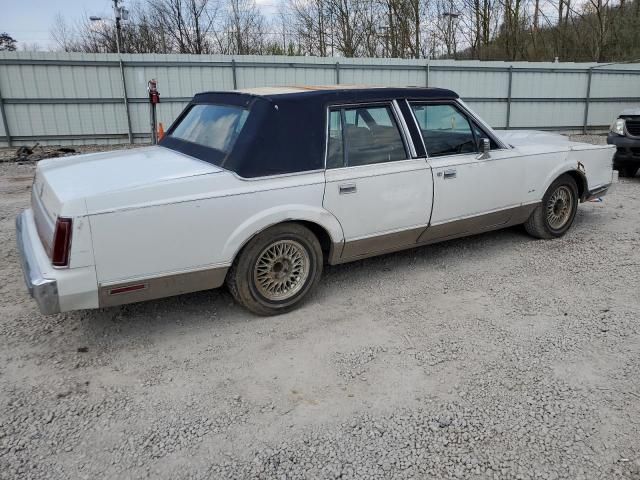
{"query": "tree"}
[(578, 30), (7, 42)]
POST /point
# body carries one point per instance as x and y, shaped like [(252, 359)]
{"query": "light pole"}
[(120, 13), (452, 18)]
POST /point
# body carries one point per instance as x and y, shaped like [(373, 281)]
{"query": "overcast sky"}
[(30, 21)]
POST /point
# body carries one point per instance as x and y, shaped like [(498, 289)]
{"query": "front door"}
[(472, 191), (379, 194)]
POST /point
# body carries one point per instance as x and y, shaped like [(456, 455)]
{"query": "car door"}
[(380, 195), (473, 191)]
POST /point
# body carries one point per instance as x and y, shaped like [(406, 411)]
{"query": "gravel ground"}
[(492, 357)]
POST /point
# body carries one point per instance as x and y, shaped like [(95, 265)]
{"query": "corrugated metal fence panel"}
[(494, 113), (535, 114), (550, 84), (61, 98), (603, 113)]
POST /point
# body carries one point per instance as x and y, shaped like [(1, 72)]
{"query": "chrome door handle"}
[(347, 188), (450, 173)]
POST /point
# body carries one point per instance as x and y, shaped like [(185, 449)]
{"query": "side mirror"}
[(485, 146)]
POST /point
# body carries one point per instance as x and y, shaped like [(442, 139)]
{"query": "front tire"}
[(629, 171), (558, 210), (276, 270)]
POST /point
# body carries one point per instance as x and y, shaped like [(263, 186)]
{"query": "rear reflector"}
[(61, 243), (128, 288)]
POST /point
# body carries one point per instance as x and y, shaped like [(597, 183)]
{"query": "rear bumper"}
[(43, 290), (54, 290)]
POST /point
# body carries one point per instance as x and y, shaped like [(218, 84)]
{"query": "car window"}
[(480, 134), (335, 152), (213, 126), (371, 135), (445, 130)]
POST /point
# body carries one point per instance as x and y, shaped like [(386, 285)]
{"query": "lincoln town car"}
[(259, 189)]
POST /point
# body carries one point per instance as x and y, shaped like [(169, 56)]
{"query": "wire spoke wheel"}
[(560, 207), (281, 270)]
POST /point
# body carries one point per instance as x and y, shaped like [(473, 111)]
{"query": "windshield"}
[(213, 126)]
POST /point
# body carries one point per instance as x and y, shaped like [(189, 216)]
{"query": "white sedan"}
[(260, 188)]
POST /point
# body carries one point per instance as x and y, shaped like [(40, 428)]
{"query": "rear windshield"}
[(212, 126)]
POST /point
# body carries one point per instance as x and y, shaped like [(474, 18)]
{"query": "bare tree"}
[(481, 29), (189, 23)]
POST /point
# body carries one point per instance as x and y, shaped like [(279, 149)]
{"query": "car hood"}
[(62, 181), (630, 112), (531, 137)]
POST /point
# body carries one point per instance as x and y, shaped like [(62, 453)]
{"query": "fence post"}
[(125, 99), (5, 123), (426, 69), (337, 73), (586, 102), (509, 97), (233, 73)]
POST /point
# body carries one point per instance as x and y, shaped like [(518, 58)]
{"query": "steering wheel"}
[(460, 146)]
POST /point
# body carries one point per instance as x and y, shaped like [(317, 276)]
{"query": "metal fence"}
[(75, 98)]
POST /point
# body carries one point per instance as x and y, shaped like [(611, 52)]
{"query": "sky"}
[(30, 21)]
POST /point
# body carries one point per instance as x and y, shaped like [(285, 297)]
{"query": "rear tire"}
[(276, 270), (555, 215)]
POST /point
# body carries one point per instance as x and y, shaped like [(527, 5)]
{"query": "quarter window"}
[(335, 150), (364, 136), (445, 130)]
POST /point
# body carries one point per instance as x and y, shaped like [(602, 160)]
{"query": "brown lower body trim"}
[(477, 224), (415, 237), (160, 287), (380, 243)]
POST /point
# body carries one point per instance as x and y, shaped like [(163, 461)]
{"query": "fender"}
[(272, 216), (572, 167)]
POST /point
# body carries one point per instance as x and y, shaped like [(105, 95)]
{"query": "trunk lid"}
[(61, 180), (62, 185)]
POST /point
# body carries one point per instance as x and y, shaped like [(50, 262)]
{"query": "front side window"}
[(445, 130), (364, 135), (480, 134), (212, 126)]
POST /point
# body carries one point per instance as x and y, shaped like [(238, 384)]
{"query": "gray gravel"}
[(491, 357)]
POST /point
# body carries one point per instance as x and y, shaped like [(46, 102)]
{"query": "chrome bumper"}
[(43, 290)]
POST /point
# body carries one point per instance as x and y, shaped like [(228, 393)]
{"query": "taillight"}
[(61, 243)]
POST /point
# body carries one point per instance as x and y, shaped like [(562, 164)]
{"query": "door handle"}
[(347, 188), (450, 173)]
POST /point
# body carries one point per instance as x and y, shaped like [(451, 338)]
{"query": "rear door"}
[(381, 195)]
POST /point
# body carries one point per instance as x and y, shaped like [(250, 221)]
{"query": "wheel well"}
[(581, 182), (321, 234)]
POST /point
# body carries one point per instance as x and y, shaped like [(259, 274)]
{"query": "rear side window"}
[(335, 151), (445, 130), (213, 126), (364, 135)]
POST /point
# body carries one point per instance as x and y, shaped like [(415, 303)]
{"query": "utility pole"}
[(118, 13)]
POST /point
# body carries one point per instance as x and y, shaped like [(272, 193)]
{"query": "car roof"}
[(334, 92)]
